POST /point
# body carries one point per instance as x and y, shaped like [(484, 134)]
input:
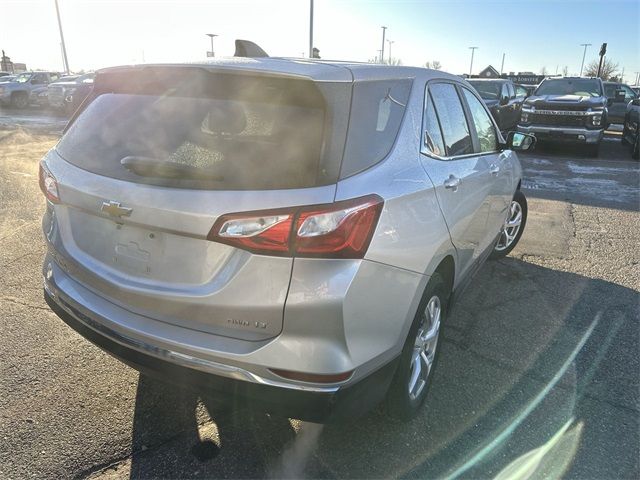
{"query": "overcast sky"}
[(532, 34)]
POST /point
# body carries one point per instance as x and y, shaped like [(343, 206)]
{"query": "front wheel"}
[(412, 379), (513, 226)]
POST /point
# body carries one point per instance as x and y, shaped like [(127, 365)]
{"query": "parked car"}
[(4, 74), (20, 91), (273, 230), (7, 78), (621, 95), (631, 128), (69, 94), (569, 110), (636, 90), (502, 99)]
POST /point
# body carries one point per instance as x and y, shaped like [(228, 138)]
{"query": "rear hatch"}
[(158, 155)]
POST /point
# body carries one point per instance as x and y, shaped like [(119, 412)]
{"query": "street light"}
[(211, 53), (585, 45), (65, 61), (384, 31), (473, 49), (390, 42)]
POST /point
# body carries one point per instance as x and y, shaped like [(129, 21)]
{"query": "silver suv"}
[(286, 232)]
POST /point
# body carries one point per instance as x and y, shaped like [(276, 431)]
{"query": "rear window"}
[(255, 135)]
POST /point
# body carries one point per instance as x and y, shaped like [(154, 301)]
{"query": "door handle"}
[(452, 182), (494, 169)]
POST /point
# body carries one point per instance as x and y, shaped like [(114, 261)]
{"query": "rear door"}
[(460, 176), (144, 176), (501, 174)]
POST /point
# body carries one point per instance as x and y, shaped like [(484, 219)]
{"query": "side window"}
[(54, 77), (521, 91), (39, 79), (455, 130), (505, 91), (628, 93), (512, 93), (377, 110), (432, 135), (610, 90), (486, 131)]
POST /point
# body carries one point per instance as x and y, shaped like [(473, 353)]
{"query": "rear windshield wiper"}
[(151, 167)]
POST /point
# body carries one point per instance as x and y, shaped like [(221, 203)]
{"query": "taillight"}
[(48, 184), (337, 230)]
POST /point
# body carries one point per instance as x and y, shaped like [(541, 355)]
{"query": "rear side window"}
[(455, 130), (260, 136), (377, 109)]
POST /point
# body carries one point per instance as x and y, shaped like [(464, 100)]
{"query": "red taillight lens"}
[(337, 230), (342, 230), (48, 184)]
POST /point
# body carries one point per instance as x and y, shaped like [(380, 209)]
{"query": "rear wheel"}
[(513, 226), (412, 379), (19, 100)]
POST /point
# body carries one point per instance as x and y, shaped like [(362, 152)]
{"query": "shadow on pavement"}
[(538, 372)]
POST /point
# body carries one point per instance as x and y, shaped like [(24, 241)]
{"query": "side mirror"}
[(520, 141), (504, 100)]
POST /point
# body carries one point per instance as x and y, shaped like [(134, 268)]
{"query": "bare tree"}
[(609, 68), (543, 70), (565, 71), (435, 65), (392, 61)]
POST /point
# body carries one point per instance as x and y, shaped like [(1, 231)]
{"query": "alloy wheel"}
[(424, 347), (511, 227)]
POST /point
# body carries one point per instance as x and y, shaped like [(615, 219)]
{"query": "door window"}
[(433, 135), (455, 130), (487, 138), (521, 91)]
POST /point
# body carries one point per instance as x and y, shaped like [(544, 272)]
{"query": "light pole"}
[(311, 29), (64, 48), (390, 42), (502, 66), (211, 35), (585, 45), (473, 50), (384, 31)]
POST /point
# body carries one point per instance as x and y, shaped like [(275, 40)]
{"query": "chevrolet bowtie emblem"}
[(114, 209)]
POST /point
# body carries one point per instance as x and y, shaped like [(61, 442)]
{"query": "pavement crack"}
[(17, 301)]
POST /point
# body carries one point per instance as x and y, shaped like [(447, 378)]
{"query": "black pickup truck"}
[(567, 110)]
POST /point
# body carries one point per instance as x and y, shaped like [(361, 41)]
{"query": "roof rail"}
[(246, 48)]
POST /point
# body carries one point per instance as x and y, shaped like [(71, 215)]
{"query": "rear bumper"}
[(229, 383), (563, 134)]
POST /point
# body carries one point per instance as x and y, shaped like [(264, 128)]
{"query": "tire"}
[(593, 150), (510, 235), (403, 403), (19, 100)]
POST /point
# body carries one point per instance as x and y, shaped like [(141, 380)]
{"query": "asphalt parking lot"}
[(538, 374)]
